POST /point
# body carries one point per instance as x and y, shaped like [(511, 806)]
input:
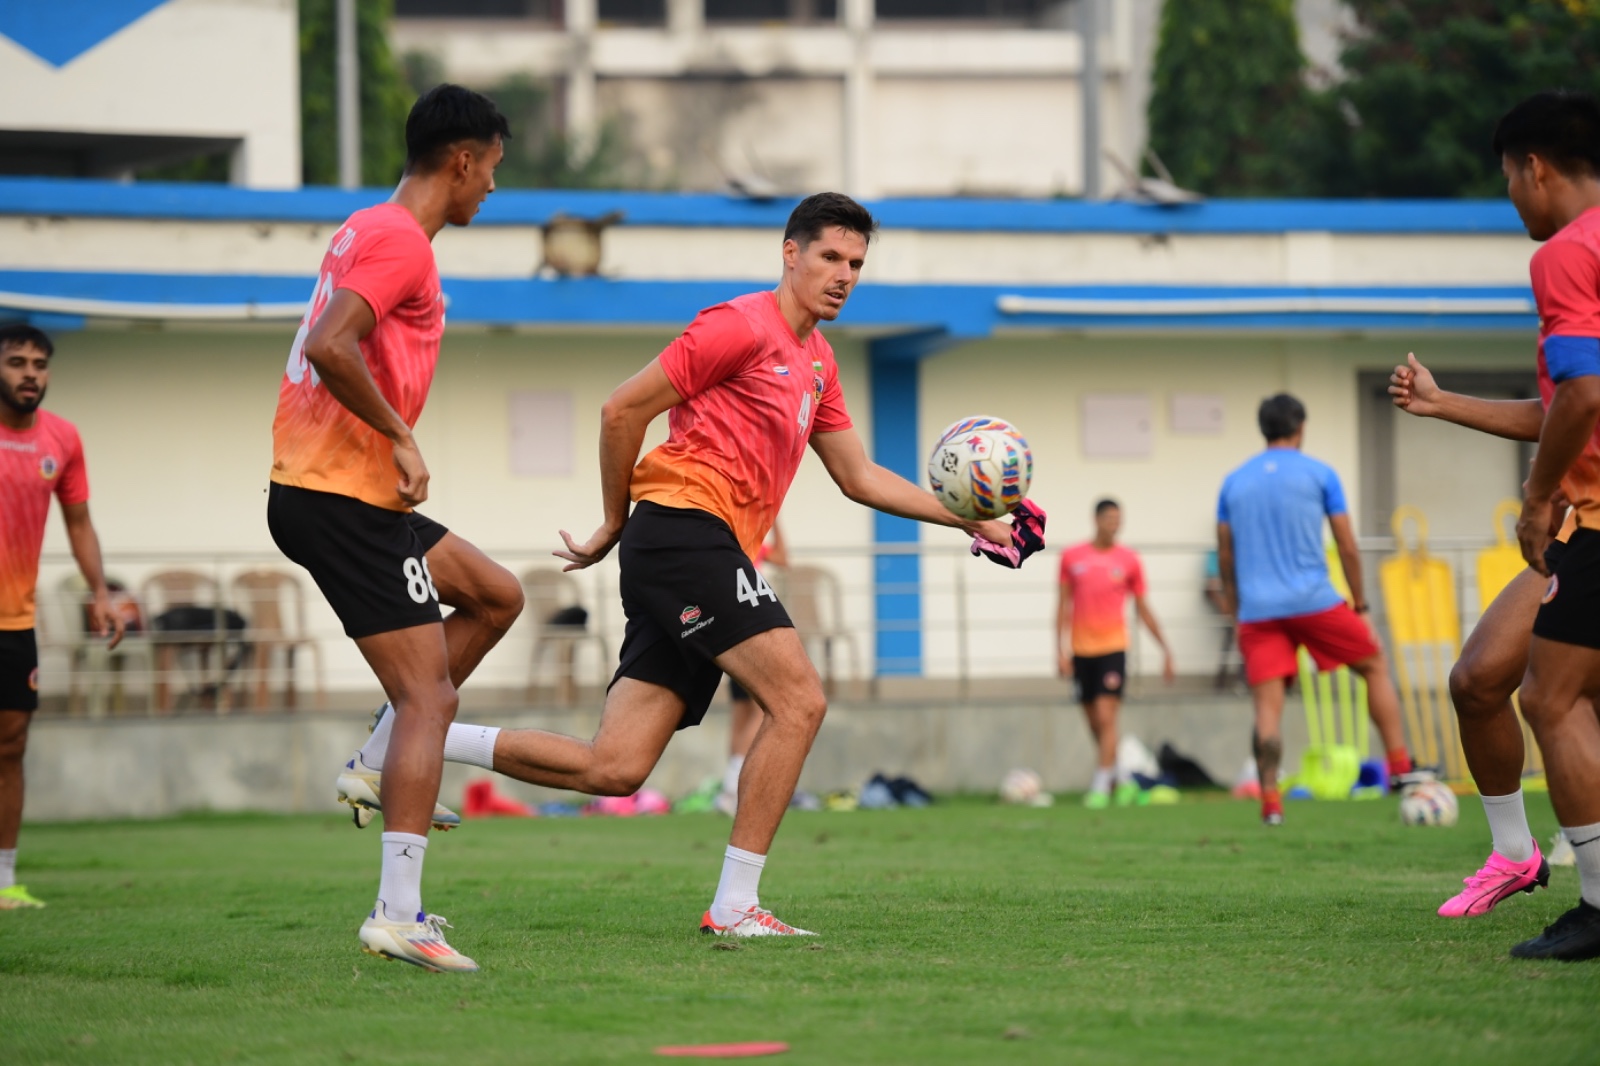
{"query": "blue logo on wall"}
[(62, 30)]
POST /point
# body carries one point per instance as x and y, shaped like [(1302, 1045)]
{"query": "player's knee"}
[(804, 710), (616, 780), (13, 747), (1537, 706), (1471, 693), (504, 601)]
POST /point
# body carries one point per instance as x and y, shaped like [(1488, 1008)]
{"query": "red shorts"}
[(1335, 637)]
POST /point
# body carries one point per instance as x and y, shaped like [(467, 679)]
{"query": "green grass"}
[(967, 933)]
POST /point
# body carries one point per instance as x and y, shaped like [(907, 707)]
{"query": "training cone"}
[(481, 800)]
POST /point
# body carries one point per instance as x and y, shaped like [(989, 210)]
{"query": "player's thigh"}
[(1495, 656), (1559, 678), (468, 579), (14, 733), (773, 667), (638, 721), (412, 665)]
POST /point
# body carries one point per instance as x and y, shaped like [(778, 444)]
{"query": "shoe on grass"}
[(17, 898), (1095, 800), (1561, 851), (1572, 937), (727, 803), (1499, 879), (421, 943), (754, 922), (358, 785), (1128, 794)]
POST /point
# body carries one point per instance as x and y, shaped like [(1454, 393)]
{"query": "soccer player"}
[(749, 385), (347, 473), (744, 715), (1275, 579), (40, 457), (1097, 577), (1491, 665), (1549, 148)]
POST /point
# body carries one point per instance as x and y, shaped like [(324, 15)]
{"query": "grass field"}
[(966, 933)]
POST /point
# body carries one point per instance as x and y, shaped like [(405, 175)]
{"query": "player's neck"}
[(1104, 544), (801, 321), (13, 419), (428, 202), (1580, 196)]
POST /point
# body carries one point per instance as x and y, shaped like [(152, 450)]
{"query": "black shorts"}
[(1570, 613), (1100, 675), (371, 563), (690, 593), (19, 670)]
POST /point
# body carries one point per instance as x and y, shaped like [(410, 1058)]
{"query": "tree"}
[(1230, 113), (1426, 81), (385, 99)]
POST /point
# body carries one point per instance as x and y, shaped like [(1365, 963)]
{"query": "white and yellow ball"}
[(1429, 803), (981, 468)]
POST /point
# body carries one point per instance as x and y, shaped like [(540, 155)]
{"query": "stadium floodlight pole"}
[(1089, 31), (349, 95)]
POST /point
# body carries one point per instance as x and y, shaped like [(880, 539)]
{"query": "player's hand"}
[(1533, 530), (1414, 389), (1063, 664), (105, 620), (994, 529), (592, 551), (1169, 669), (413, 485)]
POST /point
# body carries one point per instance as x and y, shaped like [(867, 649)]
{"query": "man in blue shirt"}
[(1275, 578)]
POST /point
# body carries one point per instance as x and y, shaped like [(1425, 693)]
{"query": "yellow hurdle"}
[(1497, 567), (1419, 597)]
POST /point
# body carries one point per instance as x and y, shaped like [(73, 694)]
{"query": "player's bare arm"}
[(1225, 570), (1344, 541), (1415, 392), (1568, 425), (626, 415), (1064, 630), (86, 550), (333, 348), (1169, 667), (871, 485)]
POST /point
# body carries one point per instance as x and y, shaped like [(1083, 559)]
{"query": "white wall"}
[(190, 68)]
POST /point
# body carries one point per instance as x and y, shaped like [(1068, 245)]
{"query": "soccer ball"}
[(1023, 788), (981, 468), (1428, 803)]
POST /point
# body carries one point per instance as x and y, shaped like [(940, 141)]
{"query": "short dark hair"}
[(446, 115), (1561, 127), (1280, 417), (1107, 504), (22, 335), (824, 210)]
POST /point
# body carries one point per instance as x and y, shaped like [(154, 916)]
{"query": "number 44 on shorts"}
[(752, 594), (419, 581)]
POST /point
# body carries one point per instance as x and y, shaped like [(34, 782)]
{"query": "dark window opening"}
[(537, 10), (1028, 12), (795, 11), (634, 12)]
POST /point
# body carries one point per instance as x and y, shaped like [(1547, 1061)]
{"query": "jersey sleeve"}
[(390, 265), (716, 346), (1333, 503), (1136, 583), (832, 416), (72, 483), (1066, 568), (1222, 501), (1566, 286)]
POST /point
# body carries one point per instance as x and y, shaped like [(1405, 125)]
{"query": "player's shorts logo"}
[(48, 467), (33, 680), (689, 615), (1555, 587)]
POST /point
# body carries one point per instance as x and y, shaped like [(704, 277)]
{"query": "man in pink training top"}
[(1097, 577)]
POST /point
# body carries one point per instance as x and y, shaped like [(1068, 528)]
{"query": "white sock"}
[(471, 744), (1103, 776), (400, 887), (730, 776), (377, 744), (1508, 823), (8, 867), (740, 887), (1585, 841)]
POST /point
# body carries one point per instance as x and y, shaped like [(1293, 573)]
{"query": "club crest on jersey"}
[(48, 467), (816, 387), (689, 615), (781, 371)]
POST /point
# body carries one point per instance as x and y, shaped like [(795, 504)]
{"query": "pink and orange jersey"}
[(35, 464), (752, 397), (1566, 287), (382, 255), (1100, 582)]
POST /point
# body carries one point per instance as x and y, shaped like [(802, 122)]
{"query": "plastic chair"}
[(61, 620), (548, 592), (164, 591), (274, 608), (811, 595)]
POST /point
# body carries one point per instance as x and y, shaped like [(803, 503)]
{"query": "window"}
[(799, 11), (634, 12), (1017, 11), (541, 10)]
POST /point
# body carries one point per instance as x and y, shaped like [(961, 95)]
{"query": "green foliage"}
[(385, 98), (1428, 80), (964, 933), (1230, 113)]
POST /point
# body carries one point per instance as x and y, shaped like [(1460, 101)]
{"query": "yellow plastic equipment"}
[(1419, 597), (1497, 567), (1331, 766)]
